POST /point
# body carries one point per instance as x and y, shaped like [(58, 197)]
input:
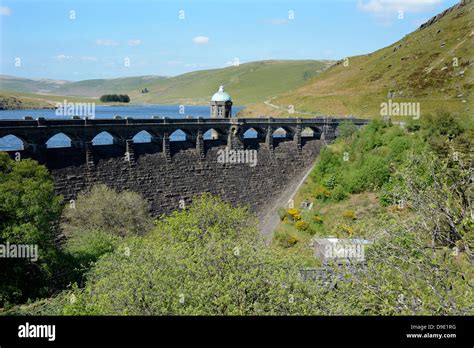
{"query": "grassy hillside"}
[(97, 87), (417, 68), (18, 100), (247, 83), (18, 84)]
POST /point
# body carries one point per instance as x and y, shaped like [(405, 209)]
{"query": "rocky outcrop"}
[(444, 13)]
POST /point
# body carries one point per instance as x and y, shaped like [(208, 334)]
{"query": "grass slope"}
[(18, 101), (18, 84), (97, 87), (417, 68), (247, 83)]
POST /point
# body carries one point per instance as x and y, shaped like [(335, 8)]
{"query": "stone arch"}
[(213, 134), (253, 133), (180, 135), (282, 133), (104, 138), (11, 142), (311, 132), (59, 140), (143, 136)]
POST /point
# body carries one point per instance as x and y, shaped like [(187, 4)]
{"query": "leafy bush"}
[(102, 208), (349, 214), (302, 225), (206, 260), (339, 193), (281, 213), (347, 230), (317, 219), (322, 193), (87, 246), (294, 214), (28, 210), (346, 129)]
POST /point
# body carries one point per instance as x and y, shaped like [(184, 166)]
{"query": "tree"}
[(123, 98), (206, 260), (28, 210), (100, 217), (346, 129)]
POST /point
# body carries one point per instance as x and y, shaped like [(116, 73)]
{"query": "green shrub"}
[(28, 210), (294, 214), (347, 230), (375, 172), (302, 225), (339, 193), (346, 129), (282, 213), (103, 209), (88, 246), (322, 193), (349, 215), (206, 260), (317, 219)]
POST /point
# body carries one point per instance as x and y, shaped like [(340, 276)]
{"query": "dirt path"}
[(267, 103), (270, 220)]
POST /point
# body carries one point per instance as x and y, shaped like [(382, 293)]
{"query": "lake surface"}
[(101, 111)]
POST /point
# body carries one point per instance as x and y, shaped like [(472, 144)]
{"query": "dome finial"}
[(221, 88)]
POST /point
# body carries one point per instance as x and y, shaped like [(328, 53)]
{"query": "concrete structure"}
[(221, 104), (168, 172)]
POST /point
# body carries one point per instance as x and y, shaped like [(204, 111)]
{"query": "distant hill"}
[(417, 68), (97, 87), (22, 100), (247, 83), (18, 84)]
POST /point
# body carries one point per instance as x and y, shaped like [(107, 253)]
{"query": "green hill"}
[(421, 67), (97, 87), (247, 83), (21, 100), (18, 84)]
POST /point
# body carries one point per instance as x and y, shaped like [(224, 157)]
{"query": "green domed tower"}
[(221, 104)]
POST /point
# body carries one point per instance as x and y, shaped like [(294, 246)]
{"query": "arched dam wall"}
[(166, 184), (168, 173)]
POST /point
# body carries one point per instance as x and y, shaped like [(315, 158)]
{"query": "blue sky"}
[(85, 39)]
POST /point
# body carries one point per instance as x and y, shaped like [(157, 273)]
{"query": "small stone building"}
[(221, 104)]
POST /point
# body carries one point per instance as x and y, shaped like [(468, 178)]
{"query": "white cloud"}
[(135, 42), (62, 57), (5, 11), (106, 42), (201, 40), (384, 7)]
